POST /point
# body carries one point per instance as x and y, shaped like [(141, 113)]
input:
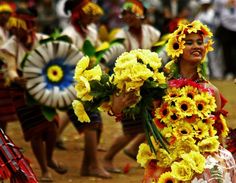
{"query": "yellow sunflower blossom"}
[(202, 106), (181, 171), (225, 129), (201, 129), (206, 31), (194, 27), (174, 48), (80, 111), (167, 178), (172, 93), (210, 144), (211, 101), (186, 106), (189, 91), (196, 161), (183, 130), (174, 115), (144, 155), (162, 113)]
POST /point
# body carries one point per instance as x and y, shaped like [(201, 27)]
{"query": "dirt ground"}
[(73, 155)]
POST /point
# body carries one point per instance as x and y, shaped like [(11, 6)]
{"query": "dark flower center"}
[(184, 107), (200, 107), (176, 46), (184, 132), (164, 112), (174, 117), (190, 95)]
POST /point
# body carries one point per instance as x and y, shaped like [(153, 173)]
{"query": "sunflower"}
[(186, 106), (174, 48), (202, 106), (206, 31), (210, 144), (174, 115), (172, 94), (196, 161), (221, 126), (80, 111), (211, 100), (182, 130), (167, 178), (193, 27), (201, 129), (189, 91), (162, 113), (181, 171)]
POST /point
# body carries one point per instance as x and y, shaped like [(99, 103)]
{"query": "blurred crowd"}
[(163, 15)]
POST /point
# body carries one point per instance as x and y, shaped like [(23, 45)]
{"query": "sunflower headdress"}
[(6, 7), (134, 6), (176, 43)]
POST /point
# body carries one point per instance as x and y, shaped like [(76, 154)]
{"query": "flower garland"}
[(186, 120)]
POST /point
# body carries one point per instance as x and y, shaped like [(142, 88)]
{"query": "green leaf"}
[(48, 112), (22, 65), (88, 48), (118, 40)]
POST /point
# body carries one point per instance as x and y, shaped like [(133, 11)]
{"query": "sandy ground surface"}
[(73, 155)]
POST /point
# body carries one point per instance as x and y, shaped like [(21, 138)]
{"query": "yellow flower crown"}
[(16, 22), (92, 9), (5, 8), (176, 43)]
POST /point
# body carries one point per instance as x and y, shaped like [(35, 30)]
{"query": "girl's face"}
[(194, 51)]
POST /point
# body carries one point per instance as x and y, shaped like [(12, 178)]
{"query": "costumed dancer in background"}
[(36, 128), (136, 35), (190, 118), (7, 110), (83, 14)]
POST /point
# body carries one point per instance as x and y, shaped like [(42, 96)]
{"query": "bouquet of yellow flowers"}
[(137, 71), (186, 120)]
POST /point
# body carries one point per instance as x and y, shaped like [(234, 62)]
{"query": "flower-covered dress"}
[(191, 128)]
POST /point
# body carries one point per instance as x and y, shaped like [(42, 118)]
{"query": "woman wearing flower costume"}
[(7, 110), (36, 128), (190, 117), (84, 14)]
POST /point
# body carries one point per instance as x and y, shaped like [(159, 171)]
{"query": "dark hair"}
[(27, 11), (69, 5)]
